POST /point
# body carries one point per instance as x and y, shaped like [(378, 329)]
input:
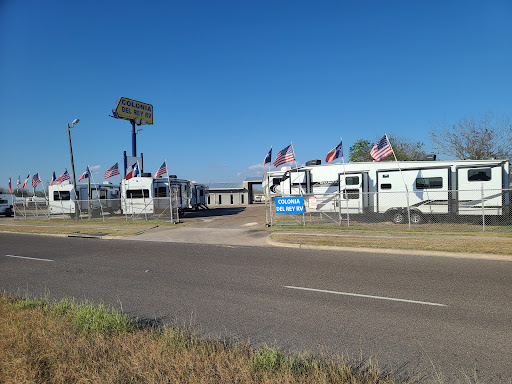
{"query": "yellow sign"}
[(132, 110)]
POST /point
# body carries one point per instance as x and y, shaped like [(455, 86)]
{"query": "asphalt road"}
[(402, 310)]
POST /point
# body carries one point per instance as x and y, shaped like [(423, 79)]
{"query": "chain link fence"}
[(140, 209), (460, 210)]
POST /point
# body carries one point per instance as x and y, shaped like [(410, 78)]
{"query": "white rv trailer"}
[(6, 204), (146, 195), (104, 197), (199, 194), (434, 187)]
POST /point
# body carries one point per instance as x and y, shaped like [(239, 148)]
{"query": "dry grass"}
[(42, 343), (500, 246), (68, 230), (438, 229)]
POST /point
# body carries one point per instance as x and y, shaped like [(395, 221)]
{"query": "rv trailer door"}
[(480, 186), (353, 192)]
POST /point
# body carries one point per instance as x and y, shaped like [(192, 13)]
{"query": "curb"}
[(405, 252)]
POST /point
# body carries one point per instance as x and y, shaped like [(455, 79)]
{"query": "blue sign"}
[(289, 204)]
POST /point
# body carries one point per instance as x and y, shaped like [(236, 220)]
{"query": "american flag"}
[(36, 180), (26, 181), (61, 178), (18, 183), (161, 170), (382, 149), (284, 156), (112, 171)]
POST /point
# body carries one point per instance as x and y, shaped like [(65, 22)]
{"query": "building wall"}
[(224, 198)]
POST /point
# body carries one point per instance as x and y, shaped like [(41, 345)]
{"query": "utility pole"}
[(73, 166)]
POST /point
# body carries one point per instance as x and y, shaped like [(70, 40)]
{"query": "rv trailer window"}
[(351, 194), (385, 186), (64, 195), (352, 180), (429, 182), (161, 192), (3, 201), (137, 193), (482, 174), (201, 192)]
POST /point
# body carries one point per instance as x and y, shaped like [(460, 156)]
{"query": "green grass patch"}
[(67, 342), (85, 316)]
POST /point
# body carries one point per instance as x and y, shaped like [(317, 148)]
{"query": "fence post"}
[(408, 206), (339, 207), (483, 210)]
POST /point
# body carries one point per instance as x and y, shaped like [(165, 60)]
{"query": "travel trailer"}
[(146, 195), (199, 194), (6, 206), (104, 197), (425, 188)]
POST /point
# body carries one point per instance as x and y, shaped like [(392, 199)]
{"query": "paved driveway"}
[(239, 225)]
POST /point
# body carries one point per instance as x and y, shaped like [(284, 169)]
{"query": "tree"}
[(360, 151), (482, 138), (404, 149)]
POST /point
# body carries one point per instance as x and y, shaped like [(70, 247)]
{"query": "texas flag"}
[(53, 178), (85, 175), (335, 153), (135, 171), (10, 188), (26, 181)]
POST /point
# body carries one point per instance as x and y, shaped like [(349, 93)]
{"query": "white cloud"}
[(95, 168), (256, 170)]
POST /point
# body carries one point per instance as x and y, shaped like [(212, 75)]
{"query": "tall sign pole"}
[(134, 139)]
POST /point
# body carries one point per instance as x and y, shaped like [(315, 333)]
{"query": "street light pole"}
[(73, 166)]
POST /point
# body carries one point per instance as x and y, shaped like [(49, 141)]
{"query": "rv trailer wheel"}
[(417, 218), (398, 217)]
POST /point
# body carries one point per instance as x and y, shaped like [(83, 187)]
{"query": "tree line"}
[(476, 138)]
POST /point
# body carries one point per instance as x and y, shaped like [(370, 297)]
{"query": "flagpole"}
[(345, 183), (403, 179), (268, 187), (296, 170), (35, 200), (24, 201), (170, 195), (300, 184), (47, 202), (99, 197), (143, 197), (268, 199), (57, 185)]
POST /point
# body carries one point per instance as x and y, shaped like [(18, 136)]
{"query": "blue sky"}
[(228, 79)]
